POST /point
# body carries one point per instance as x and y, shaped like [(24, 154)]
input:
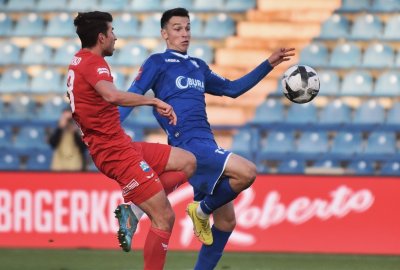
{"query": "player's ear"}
[(164, 34), (101, 37)]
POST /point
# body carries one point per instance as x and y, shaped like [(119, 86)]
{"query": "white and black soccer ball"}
[(300, 83)]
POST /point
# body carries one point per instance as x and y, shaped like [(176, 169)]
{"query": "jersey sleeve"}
[(214, 83), (97, 69)]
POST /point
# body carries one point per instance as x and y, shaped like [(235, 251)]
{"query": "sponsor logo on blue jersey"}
[(145, 167), (183, 82)]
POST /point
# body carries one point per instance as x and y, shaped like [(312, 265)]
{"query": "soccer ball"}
[(300, 84)]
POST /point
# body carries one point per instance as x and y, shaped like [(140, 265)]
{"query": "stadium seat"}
[(270, 111), (357, 83), (119, 80), (388, 84), (208, 6), (202, 51), (355, 5), (346, 144), (390, 168), (9, 161), (361, 167), (9, 53), (393, 115), (196, 26), (385, 6), (243, 143), (291, 166), (345, 55), (21, 5), (276, 145), (135, 133), (21, 108), (64, 54), (79, 5), (29, 138), (335, 113), (330, 83), (132, 54), (39, 161), (150, 27), (312, 143), (239, 5), (335, 27), (5, 24), (301, 114), (5, 136), (142, 116), (262, 168), (145, 6), (29, 25), (50, 111), (14, 80), (315, 54), (378, 56), (391, 28), (46, 81), (113, 6), (223, 22), (370, 113), (126, 25), (381, 143), (169, 4), (60, 25), (366, 26), (326, 163), (37, 53), (51, 5)]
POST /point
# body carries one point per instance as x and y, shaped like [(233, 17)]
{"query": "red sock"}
[(155, 249), (171, 180)]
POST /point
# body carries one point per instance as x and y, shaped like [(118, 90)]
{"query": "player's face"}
[(177, 34), (109, 41)]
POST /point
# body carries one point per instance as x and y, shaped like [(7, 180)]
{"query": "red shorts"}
[(135, 167)]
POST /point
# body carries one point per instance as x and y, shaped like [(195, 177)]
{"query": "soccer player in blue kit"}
[(182, 81)]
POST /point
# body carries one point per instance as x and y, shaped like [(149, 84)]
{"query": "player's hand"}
[(166, 110), (281, 55)]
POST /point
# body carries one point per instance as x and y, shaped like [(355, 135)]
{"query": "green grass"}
[(28, 259)]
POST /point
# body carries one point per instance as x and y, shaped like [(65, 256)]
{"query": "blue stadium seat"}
[(370, 113), (136, 133), (21, 5), (315, 54), (357, 83), (14, 80), (126, 25), (366, 26), (223, 22), (239, 5), (207, 6), (60, 25), (393, 115), (150, 27), (21, 108), (79, 5), (243, 143), (9, 161), (378, 56), (345, 55), (145, 6), (46, 81), (5, 136), (50, 111), (39, 161), (5, 24), (312, 143), (64, 54), (262, 168), (346, 144), (51, 5), (391, 28), (330, 83), (119, 80), (112, 6), (381, 143), (291, 166), (202, 51), (355, 5), (390, 168), (142, 116), (169, 4), (335, 27), (335, 113), (196, 26), (29, 138), (29, 25), (37, 53), (388, 84), (385, 6), (302, 114), (276, 145), (361, 167), (326, 163), (132, 54), (9, 53), (270, 111)]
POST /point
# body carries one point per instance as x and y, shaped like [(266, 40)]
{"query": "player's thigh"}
[(238, 167), (224, 217), (181, 160), (155, 154)]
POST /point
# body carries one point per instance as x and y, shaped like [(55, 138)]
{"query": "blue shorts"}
[(211, 162)]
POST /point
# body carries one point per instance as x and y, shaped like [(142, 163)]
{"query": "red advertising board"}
[(334, 214)]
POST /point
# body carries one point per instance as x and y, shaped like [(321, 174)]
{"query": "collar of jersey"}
[(185, 56)]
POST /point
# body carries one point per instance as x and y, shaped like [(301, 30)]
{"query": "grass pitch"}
[(29, 259)]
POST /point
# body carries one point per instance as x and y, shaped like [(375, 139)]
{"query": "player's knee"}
[(250, 174)]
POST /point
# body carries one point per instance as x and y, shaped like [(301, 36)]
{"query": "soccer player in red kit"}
[(141, 169)]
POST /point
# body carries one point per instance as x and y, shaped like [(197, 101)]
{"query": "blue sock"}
[(222, 194), (209, 255)]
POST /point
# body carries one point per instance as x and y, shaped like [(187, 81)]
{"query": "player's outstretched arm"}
[(112, 95)]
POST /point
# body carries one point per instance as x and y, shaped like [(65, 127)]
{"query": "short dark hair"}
[(89, 25), (167, 15)]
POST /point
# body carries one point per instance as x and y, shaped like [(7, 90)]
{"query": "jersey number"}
[(70, 89)]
